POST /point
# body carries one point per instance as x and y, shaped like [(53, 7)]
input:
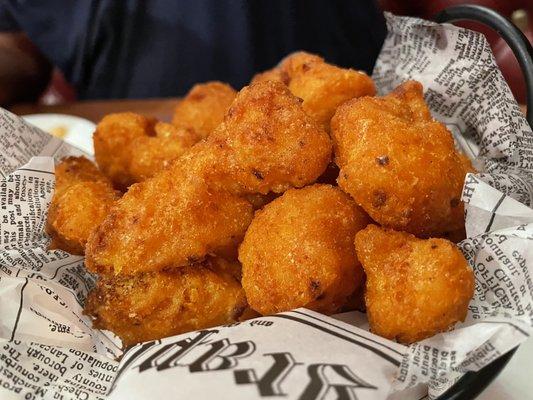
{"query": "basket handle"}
[(514, 37)]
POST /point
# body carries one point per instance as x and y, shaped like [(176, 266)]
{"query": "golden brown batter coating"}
[(169, 221), (322, 86), (74, 170), (415, 288), (267, 143), (82, 198), (154, 305), (398, 163), (112, 139), (150, 154), (204, 107), (130, 147), (299, 252)]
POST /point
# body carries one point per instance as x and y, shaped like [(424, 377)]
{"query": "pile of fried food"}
[(303, 189)]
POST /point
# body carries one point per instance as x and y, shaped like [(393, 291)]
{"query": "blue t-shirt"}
[(158, 48)]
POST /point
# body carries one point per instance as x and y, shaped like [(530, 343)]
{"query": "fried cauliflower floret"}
[(76, 212), (112, 139), (204, 107), (150, 154), (287, 68), (322, 86), (267, 142), (299, 252), (169, 221), (398, 163), (294, 63), (82, 198), (197, 205), (129, 147), (274, 74), (155, 305), (415, 288), (73, 170)]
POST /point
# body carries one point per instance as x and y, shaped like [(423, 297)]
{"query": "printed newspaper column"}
[(298, 355), (37, 371)]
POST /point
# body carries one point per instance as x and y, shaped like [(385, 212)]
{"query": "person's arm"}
[(24, 71)]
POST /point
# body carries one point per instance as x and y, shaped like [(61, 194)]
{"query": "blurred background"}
[(58, 52), (108, 49)]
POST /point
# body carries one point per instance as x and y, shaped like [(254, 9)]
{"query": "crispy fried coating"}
[(322, 86), (298, 61), (258, 201), (150, 154), (193, 208), (82, 198), (275, 74), (130, 147), (171, 220), (204, 107), (398, 163), (287, 68), (267, 143), (299, 252), (154, 305), (112, 139), (415, 287), (74, 170)]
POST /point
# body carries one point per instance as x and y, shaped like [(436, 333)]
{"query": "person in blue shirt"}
[(158, 48)]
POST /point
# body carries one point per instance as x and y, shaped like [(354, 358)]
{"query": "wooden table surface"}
[(95, 110)]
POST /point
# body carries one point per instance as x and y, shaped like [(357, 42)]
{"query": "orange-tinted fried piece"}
[(299, 252), (191, 209), (415, 288), (154, 305), (287, 68), (322, 86), (150, 154), (130, 147), (267, 143), (204, 107), (398, 163), (112, 139), (258, 201), (74, 170), (275, 74), (82, 198), (171, 220)]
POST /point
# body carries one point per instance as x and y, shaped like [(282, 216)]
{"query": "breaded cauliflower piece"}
[(415, 288), (322, 86), (399, 164), (204, 107), (151, 154), (129, 147), (171, 220), (299, 252), (267, 143), (82, 199), (194, 207), (154, 305)]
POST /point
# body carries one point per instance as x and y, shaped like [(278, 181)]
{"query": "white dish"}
[(74, 130)]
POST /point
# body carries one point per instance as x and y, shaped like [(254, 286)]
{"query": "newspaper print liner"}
[(48, 347)]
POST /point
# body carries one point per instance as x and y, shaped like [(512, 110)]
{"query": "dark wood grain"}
[(94, 110)]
